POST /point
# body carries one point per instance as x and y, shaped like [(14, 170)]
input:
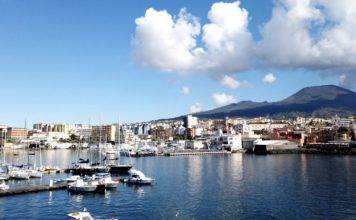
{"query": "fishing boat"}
[(80, 186), (3, 185), (84, 215), (138, 178)]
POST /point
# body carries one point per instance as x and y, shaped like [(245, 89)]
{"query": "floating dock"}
[(32, 189)]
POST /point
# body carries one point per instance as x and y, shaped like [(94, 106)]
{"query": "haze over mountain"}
[(326, 100)]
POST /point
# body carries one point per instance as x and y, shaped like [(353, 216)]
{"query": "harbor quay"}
[(190, 133)]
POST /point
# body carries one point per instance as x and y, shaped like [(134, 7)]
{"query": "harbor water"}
[(237, 186)]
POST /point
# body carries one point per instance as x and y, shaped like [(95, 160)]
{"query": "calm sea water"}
[(237, 186)]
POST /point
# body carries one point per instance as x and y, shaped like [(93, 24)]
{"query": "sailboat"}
[(33, 172), (119, 168), (89, 169)]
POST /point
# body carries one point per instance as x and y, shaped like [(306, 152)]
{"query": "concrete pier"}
[(189, 153), (32, 189)]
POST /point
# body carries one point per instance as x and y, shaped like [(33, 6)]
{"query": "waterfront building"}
[(16, 134), (194, 144), (190, 121), (103, 133), (231, 142)]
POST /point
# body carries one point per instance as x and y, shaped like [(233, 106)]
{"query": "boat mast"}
[(28, 147), (39, 146), (119, 141), (3, 147), (100, 127)]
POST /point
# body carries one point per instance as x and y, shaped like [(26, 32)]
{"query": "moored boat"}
[(138, 178), (80, 186), (19, 174), (84, 215), (106, 179), (34, 173), (119, 168)]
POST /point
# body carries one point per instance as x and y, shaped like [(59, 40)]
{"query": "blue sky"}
[(71, 61)]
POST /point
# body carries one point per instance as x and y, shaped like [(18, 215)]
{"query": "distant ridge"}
[(319, 101)]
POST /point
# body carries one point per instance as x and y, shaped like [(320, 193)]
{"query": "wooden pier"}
[(32, 189)]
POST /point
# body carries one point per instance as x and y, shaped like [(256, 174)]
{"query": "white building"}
[(191, 121), (231, 142), (194, 144)]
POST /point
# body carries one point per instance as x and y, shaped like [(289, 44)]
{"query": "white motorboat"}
[(84, 215), (3, 185), (34, 173), (19, 175), (138, 178), (81, 186), (72, 178), (107, 181)]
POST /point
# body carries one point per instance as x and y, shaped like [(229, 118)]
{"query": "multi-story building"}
[(190, 121), (104, 133), (16, 133)]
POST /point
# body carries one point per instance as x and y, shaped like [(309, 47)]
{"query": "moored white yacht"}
[(33, 173), (81, 186), (138, 178), (105, 178), (19, 174)]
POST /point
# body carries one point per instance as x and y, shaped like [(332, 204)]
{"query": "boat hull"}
[(138, 182), (88, 171), (82, 189), (120, 169)]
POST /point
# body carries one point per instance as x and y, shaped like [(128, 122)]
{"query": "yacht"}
[(138, 178), (34, 173), (70, 179), (81, 187), (105, 178), (119, 168), (3, 185), (19, 174), (84, 215)]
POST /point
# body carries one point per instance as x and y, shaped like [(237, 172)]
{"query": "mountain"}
[(318, 101)]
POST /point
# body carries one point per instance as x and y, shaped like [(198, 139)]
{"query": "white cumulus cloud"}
[(316, 35), (169, 43), (313, 35), (269, 78), (196, 107), (232, 83), (185, 90), (221, 99)]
